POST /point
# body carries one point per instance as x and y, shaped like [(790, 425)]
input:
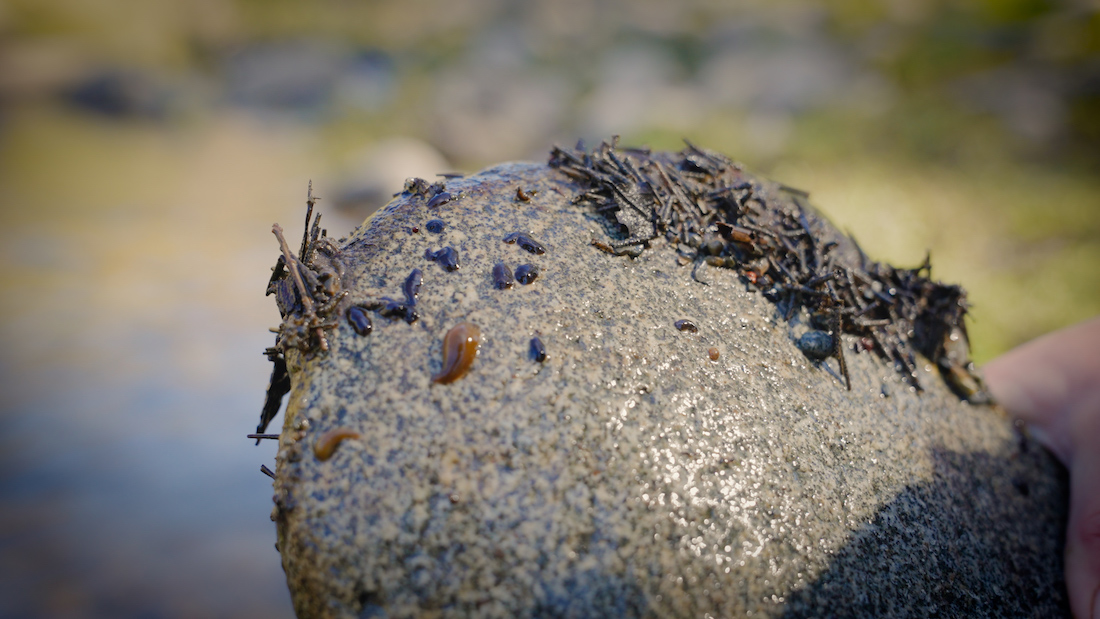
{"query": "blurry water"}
[(135, 495), (133, 321)]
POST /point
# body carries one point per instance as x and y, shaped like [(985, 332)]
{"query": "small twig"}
[(292, 266), (331, 304), (820, 279), (838, 346), (307, 299), (267, 471), (310, 201), (872, 323)]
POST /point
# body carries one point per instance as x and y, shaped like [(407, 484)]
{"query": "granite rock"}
[(639, 470)]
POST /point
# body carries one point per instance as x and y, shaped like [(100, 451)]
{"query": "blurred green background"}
[(146, 146)]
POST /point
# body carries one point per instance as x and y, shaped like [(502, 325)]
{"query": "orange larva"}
[(328, 442), (459, 349)]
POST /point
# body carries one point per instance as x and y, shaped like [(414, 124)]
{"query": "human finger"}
[(1044, 382), (1082, 557)]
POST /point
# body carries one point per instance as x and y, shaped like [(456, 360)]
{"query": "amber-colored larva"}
[(459, 349), (328, 442)]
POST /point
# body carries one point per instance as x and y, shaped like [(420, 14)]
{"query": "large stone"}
[(630, 473)]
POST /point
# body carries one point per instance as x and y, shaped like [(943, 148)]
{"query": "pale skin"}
[(1053, 384)]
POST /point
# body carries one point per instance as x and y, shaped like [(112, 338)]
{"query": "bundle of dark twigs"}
[(717, 214)]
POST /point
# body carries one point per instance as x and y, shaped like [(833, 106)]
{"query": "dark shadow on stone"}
[(984, 539)]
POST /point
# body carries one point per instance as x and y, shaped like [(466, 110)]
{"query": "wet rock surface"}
[(631, 471)]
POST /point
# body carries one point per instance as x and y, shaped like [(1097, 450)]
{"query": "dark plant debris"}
[(420, 187), (308, 289), (716, 214), (277, 387)]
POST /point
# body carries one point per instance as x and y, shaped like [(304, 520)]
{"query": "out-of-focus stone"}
[(629, 474), (484, 111), (380, 170)]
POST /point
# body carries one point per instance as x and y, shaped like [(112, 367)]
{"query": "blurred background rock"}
[(146, 146)]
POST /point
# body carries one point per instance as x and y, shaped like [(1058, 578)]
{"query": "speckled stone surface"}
[(629, 474)]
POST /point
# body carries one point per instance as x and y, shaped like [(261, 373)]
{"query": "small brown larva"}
[(459, 350), (328, 442)]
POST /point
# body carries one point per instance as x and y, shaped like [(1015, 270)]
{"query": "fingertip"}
[(1082, 578), (1083, 536), (1013, 381), (1045, 375)]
